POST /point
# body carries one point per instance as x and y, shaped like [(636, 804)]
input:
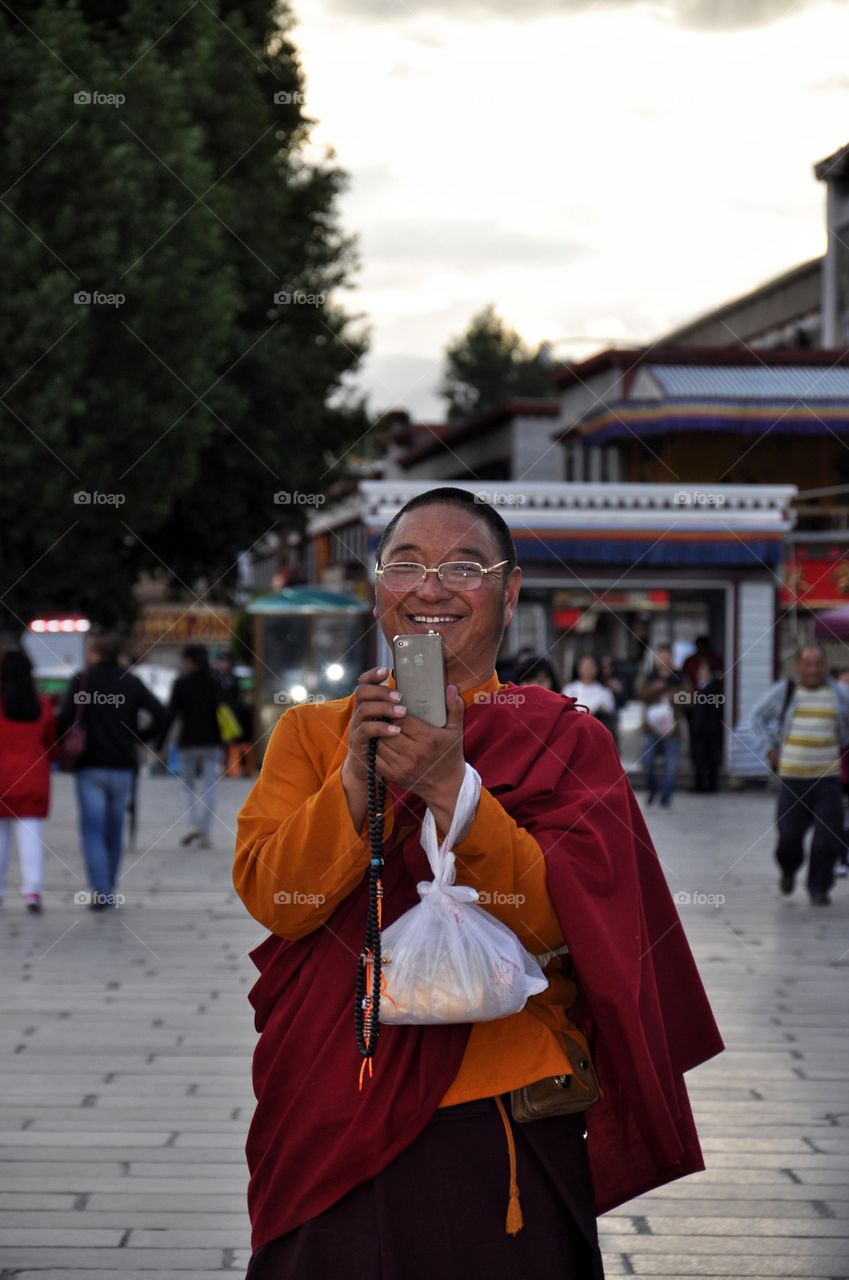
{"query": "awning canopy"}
[(306, 600), (630, 419), (749, 400)]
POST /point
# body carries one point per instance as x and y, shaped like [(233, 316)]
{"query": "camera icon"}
[(683, 898), (681, 697), (82, 898), (81, 498), (282, 897), (82, 98), (82, 298), (481, 697), (82, 699), (283, 498), (282, 298)]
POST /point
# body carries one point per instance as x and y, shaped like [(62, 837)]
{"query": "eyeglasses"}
[(455, 575)]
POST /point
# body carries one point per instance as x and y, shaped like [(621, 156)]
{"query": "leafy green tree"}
[(184, 391), (488, 365)]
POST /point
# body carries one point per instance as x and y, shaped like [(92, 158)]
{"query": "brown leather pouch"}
[(558, 1095)]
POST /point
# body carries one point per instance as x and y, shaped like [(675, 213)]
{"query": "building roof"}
[(752, 382), (663, 398), (803, 281), (447, 435), (669, 354), (834, 166)]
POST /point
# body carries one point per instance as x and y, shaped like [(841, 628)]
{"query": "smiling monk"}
[(427, 1170)]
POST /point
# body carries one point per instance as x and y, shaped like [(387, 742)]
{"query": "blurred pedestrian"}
[(841, 867), (105, 701), (27, 739), (801, 726), (705, 723), (239, 752), (609, 677), (194, 702), (590, 692), (537, 670), (701, 653), (661, 691)]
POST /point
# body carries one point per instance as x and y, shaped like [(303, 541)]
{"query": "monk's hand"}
[(428, 761), (377, 714)]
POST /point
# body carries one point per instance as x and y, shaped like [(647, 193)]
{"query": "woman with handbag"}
[(412, 1149), (27, 739)]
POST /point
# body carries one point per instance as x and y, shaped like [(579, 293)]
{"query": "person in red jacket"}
[(27, 740)]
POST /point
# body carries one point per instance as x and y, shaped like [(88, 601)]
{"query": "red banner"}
[(815, 577)]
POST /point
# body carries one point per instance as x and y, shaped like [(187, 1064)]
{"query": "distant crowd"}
[(106, 717)]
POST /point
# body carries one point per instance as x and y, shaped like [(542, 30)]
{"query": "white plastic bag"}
[(446, 959), (660, 718)]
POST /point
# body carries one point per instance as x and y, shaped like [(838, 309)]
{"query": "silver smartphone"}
[(420, 676)]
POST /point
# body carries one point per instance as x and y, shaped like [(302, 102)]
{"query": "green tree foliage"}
[(169, 339), (488, 365)]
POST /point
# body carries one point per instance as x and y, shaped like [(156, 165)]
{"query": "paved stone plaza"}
[(127, 1038)]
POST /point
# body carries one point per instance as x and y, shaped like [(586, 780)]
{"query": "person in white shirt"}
[(589, 690)]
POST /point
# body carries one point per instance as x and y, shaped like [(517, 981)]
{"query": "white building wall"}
[(536, 454), (754, 668)]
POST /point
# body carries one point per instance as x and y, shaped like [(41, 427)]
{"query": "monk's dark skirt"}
[(437, 1212)]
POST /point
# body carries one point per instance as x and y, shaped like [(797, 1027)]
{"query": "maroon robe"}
[(641, 1003)]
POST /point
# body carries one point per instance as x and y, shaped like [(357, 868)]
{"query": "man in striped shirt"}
[(802, 726)]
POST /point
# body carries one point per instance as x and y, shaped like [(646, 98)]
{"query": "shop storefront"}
[(619, 568)]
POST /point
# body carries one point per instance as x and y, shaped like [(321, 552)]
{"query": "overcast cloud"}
[(721, 15), (595, 170)]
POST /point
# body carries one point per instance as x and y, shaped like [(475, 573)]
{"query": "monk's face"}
[(470, 622)]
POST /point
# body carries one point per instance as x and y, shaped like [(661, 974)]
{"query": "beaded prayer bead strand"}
[(367, 988)]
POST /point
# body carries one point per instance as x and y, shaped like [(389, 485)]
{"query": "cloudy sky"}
[(597, 170)]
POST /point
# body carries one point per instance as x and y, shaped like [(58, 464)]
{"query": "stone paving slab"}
[(126, 1095)]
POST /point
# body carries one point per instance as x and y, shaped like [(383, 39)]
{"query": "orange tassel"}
[(365, 1061), (515, 1220)]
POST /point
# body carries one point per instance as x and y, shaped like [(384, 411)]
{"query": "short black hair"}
[(108, 645), (197, 655), (473, 503)]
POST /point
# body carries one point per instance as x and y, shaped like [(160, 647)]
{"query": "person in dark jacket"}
[(106, 699), (705, 720), (27, 738), (195, 699)]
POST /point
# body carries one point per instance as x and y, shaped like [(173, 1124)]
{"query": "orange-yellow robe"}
[(298, 856)]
